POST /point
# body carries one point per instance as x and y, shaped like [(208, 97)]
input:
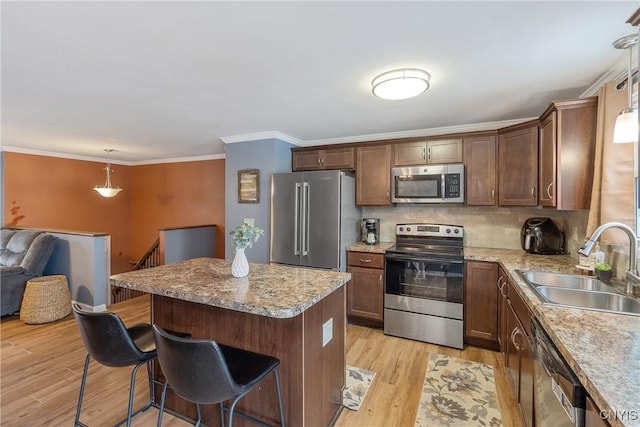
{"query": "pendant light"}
[(401, 84), (626, 127), (107, 190)]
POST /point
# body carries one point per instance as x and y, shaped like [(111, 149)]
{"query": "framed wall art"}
[(249, 186)]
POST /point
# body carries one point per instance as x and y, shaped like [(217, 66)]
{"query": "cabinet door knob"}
[(533, 192), (429, 153), (549, 190), (493, 193)]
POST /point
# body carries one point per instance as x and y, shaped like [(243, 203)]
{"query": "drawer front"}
[(365, 259)]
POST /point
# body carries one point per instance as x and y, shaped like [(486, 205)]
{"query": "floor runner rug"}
[(358, 382), (458, 393)]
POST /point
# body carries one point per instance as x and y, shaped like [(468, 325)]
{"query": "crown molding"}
[(33, 152), (475, 127), (261, 136), (616, 72), (179, 160)]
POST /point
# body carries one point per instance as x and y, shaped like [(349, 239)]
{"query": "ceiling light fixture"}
[(626, 127), (107, 190), (401, 84)]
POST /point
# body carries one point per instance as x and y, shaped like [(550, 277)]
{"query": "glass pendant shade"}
[(107, 190), (626, 127), (401, 84)]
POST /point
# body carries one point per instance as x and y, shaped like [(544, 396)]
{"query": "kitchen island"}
[(295, 314)]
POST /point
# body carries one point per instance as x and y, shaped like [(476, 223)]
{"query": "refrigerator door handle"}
[(296, 222), (305, 219)]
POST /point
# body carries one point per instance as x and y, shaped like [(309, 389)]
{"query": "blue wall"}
[(269, 156)]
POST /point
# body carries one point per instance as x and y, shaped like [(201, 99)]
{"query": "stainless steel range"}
[(424, 284)]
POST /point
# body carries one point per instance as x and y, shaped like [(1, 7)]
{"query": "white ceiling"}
[(159, 80)]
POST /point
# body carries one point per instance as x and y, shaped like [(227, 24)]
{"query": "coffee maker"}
[(370, 231)]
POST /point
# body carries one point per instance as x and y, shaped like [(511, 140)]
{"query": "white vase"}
[(240, 265)]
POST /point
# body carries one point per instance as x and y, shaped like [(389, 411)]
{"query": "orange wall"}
[(176, 195), (49, 192)]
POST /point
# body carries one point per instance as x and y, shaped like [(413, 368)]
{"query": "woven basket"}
[(45, 299)]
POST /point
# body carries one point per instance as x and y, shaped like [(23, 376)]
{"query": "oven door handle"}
[(420, 259)]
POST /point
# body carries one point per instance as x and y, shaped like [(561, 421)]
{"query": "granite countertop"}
[(603, 349), (269, 290), (378, 248)]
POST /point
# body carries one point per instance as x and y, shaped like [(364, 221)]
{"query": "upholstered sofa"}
[(23, 255)]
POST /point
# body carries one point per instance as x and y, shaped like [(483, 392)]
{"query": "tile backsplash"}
[(483, 227)]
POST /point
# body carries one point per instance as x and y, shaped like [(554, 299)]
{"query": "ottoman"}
[(45, 299)]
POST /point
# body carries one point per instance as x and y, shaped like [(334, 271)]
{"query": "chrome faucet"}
[(632, 277)]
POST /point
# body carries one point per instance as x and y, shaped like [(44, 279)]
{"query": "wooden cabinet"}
[(481, 304), (365, 293), (518, 165), (373, 175), (503, 306), (428, 152), (481, 183), (567, 152), (519, 351), (593, 416), (342, 158)]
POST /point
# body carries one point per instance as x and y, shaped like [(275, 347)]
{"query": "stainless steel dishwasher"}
[(559, 398)]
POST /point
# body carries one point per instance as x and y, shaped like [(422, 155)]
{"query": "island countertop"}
[(269, 290)]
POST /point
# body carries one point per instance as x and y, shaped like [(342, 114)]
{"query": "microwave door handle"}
[(443, 186)]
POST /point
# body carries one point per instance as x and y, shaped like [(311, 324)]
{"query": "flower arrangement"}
[(245, 235)]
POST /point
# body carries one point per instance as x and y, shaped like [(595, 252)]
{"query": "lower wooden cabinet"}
[(519, 352), (365, 293), (481, 304)]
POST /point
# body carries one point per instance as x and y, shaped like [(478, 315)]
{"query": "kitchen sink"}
[(603, 301), (557, 280), (575, 291)]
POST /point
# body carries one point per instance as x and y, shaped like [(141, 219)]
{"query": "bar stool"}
[(203, 371), (110, 343)]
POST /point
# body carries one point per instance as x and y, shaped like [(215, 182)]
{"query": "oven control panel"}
[(429, 230)]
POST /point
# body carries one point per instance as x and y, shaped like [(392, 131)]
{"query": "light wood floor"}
[(41, 367)]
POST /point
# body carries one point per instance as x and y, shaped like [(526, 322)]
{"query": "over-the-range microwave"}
[(428, 184)]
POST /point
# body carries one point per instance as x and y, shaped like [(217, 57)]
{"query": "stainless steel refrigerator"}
[(313, 218)]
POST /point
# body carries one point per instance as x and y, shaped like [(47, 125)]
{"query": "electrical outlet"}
[(250, 221), (327, 332)]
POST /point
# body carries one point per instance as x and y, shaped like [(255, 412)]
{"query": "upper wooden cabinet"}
[(373, 175), (428, 152), (342, 158), (518, 165), (567, 151), (480, 155)]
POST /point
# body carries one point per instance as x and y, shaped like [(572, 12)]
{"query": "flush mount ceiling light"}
[(401, 84), (626, 127), (107, 190)]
